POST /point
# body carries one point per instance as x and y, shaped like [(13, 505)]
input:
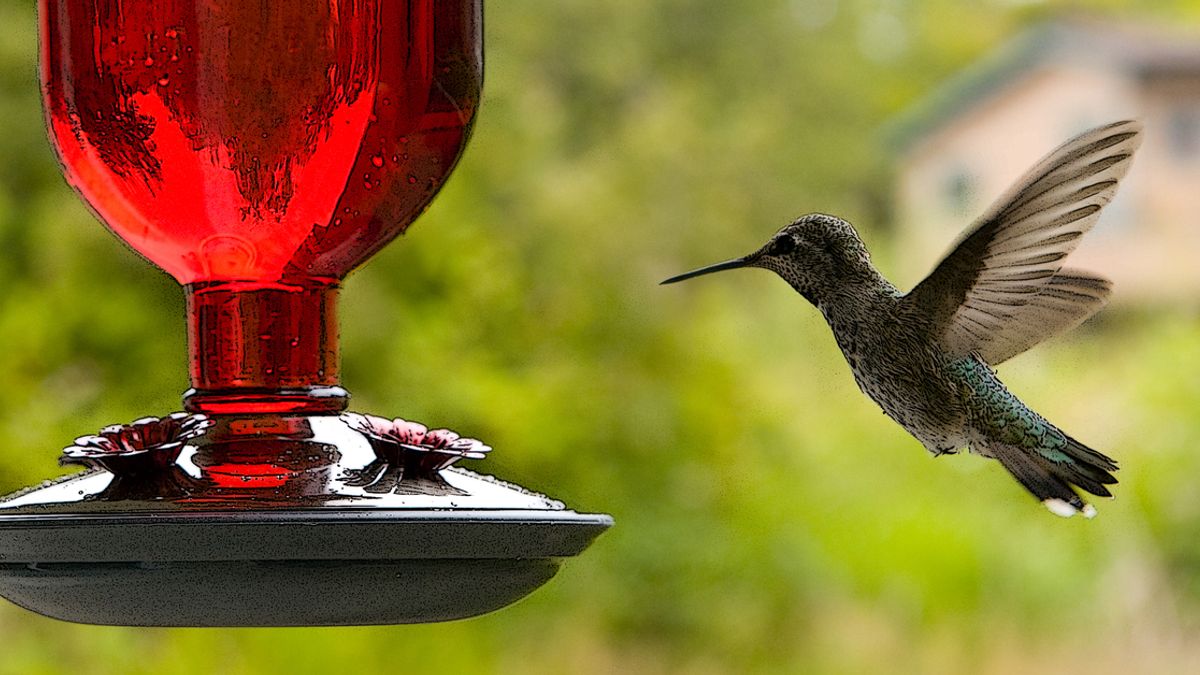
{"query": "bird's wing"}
[(995, 293), (1066, 300)]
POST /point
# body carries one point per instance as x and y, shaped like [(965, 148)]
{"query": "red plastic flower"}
[(145, 444), (412, 445)]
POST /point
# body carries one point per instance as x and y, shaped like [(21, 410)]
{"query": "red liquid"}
[(258, 150)]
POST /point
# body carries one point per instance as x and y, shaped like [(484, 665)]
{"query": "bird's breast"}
[(907, 377)]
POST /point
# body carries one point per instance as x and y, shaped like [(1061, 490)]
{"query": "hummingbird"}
[(926, 357)]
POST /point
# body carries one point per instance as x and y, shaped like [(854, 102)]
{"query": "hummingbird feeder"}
[(258, 151)]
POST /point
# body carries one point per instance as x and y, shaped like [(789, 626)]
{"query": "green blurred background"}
[(769, 518)]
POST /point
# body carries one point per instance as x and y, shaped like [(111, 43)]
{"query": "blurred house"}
[(965, 144)]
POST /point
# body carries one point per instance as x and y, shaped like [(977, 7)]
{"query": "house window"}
[(1183, 130), (957, 190), (1118, 218)]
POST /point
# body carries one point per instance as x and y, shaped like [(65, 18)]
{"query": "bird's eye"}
[(782, 246)]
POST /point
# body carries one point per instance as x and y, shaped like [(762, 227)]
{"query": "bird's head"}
[(816, 254)]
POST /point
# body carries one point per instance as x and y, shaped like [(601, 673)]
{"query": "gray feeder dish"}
[(454, 547)]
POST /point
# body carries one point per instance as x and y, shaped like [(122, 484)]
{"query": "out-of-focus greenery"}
[(769, 519)]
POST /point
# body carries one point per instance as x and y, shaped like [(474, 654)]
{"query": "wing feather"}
[(999, 289), (1066, 301)]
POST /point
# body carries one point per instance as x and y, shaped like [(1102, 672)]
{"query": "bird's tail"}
[(1050, 472)]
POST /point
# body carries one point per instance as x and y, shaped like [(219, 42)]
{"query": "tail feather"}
[(1097, 460), (1051, 481), (1086, 468)]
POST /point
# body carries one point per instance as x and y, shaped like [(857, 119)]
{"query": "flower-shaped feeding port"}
[(145, 446), (407, 452)]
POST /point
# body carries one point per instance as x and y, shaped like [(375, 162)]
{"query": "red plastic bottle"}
[(259, 150)]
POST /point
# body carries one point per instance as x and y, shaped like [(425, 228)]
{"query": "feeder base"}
[(458, 547), (323, 567)]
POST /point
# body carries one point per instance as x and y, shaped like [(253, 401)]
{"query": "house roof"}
[(1136, 50)]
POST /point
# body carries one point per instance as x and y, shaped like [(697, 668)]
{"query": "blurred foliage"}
[(769, 519)]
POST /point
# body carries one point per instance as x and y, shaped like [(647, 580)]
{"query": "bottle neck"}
[(263, 348)]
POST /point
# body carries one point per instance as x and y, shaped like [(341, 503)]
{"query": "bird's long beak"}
[(718, 267)]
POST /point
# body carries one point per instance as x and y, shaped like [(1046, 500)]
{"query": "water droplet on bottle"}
[(377, 161), (149, 61), (412, 180), (172, 33), (164, 81)]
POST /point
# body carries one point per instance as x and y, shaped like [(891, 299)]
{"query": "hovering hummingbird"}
[(926, 356)]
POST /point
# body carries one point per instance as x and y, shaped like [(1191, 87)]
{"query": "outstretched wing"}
[(999, 291)]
